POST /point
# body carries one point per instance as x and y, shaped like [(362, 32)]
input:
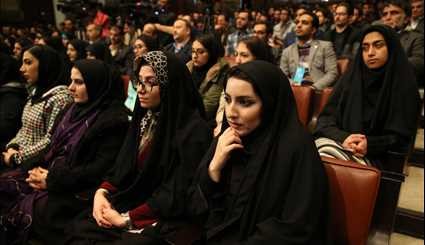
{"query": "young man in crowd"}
[(242, 30), (309, 61)]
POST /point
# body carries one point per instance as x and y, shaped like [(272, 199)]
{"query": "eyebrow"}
[(374, 42), (241, 96)]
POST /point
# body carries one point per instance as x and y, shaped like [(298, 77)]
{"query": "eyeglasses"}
[(198, 51), (148, 83), (138, 46)]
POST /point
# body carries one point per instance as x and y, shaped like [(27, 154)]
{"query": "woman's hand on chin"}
[(227, 142)]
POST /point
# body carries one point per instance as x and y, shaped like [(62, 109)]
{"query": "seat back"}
[(126, 81), (353, 189), (303, 98), (320, 98)]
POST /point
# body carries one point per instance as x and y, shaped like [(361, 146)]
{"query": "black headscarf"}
[(215, 51), (100, 51), (179, 141), (375, 102), (9, 69), (97, 78), (80, 46), (281, 195), (259, 49), (50, 70)]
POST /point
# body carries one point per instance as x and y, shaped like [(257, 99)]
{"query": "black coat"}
[(274, 190), (12, 102), (413, 44), (71, 188)]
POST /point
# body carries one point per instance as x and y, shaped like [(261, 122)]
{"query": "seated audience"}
[(252, 48), (343, 36), (242, 30), (41, 67), (208, 69), (21, 45), (13, 95), (120, 53), (309, 60), (182, 44), (396, 14), (142, 46), (94, 33), (64, 182), (374, 107), (248, 49), (145, 192), (262, 181), (99, 51), (417, 18), (76, 50)]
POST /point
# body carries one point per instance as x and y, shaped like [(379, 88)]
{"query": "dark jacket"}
[(71, 187), (123, 59), (212, 86), (413, 44), (184, 54), (13, 96)]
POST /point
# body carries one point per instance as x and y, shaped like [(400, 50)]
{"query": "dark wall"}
[(26, 11)]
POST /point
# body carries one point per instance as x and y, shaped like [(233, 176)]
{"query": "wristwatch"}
[(128, 224)]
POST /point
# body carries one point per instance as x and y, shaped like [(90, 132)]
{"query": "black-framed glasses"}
[(148, 83)]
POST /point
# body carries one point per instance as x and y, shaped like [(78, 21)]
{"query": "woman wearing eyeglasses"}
[(208, 69), (145, 192), (141, 46)]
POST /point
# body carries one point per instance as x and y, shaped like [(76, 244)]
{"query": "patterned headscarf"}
[(158, 61)]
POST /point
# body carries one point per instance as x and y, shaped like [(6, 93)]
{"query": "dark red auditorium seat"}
[(353, 189), (303, 97), (126, 81), (320, 98)]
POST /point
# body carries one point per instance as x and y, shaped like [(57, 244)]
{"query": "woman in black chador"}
[(262, 181), (84, 145), (145, 192), (374, 106)]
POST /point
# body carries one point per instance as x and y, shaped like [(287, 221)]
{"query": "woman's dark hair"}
[(150, 42), (25, 43), (212, 45), (100, 51), (258, 48), (80, 46)]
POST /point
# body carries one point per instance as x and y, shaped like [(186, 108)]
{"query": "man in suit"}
[(309, 61), (417, 20), (396, 14), (182, 45)]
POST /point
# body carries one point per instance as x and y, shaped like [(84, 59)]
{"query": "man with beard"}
[(242, 30)]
